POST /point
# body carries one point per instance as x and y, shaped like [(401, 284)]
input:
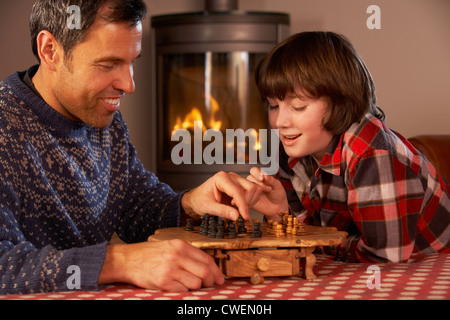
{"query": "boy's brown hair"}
[(320, 64)]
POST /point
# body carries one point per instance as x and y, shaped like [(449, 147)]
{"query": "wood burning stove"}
[(204, 66)]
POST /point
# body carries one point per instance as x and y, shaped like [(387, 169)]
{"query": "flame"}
[(214, 108), (195, 115), (258, 143), (189, 119)]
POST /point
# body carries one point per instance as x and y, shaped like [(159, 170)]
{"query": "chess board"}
[(270, 255)]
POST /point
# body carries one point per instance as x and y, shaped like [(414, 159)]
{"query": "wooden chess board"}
[(267, 256)]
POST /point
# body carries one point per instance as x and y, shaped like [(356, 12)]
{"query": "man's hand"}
[(219, 194), (172, 266)]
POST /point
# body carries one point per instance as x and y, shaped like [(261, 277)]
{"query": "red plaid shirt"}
[(375, 185)]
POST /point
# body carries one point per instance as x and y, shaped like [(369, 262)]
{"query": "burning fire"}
[(196, 116)]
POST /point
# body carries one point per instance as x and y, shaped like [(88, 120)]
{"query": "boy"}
[(340, 165)]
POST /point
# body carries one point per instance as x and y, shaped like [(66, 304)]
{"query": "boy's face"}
[(299, 121), (98, 74)]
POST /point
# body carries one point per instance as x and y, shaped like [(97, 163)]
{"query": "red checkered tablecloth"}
[(423, 278)]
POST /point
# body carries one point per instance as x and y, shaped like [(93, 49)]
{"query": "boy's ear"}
[(49, 49)]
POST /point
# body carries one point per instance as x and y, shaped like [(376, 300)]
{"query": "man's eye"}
[(106, 67)]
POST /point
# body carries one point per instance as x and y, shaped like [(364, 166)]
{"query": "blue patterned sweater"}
[(65, 188)]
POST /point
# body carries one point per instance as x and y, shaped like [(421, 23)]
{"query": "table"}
[(423, 278)]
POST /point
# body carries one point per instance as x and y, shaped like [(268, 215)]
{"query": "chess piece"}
[(232, 229), (295, 226), (204, 225), (256, 230), (279, 231), (220, 229), (189, 225), (269, 226), (241, 226), (289, 225), (301, 229), (274, 227), (212, 227)]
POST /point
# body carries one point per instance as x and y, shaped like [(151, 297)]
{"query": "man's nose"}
[(125, 82)]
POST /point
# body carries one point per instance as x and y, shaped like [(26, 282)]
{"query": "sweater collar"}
[(34, 103)]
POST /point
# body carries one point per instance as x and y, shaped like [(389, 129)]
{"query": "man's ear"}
[(49, 49)]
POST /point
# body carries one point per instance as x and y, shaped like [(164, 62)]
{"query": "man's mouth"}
[(112, 101), (112, 104)]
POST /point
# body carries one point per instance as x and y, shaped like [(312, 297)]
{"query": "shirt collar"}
[(331, 161)]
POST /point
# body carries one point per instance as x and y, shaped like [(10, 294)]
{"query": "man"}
[(70, 177)]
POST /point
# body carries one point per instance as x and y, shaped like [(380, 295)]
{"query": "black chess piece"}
[(241, 226), (231, 229), (256, 232), (204, 225), (189, 225), (212, 227), (220, 229)]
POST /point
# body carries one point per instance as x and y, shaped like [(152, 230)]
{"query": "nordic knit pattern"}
[(65, 188)]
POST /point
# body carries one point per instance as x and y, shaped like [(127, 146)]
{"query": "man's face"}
[(98, 73)]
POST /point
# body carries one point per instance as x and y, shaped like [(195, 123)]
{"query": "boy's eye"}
[(299, 108)]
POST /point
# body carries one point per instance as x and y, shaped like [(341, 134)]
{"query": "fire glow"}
[(196, 115), (235, 146)]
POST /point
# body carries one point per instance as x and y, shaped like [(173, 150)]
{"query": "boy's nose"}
[(284, 117)]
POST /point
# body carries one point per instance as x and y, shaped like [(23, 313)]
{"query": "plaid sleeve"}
[(385, 199)]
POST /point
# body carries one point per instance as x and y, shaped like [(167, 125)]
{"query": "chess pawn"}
[(295, 226), (269, 226), (301, 229), (274, 227), (189, 225), (280, 217), (204, 225), (212, 227), (289, 225), (279, 231), (220, 229), (231, 229), (249, 226), (256, 230), (241, 226)]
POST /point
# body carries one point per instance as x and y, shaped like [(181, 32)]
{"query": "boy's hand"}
[(273, 199)]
